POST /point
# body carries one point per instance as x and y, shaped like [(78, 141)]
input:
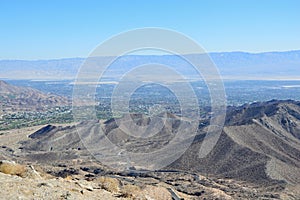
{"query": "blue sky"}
[(60, 29)]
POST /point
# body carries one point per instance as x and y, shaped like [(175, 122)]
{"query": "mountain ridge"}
[(18, 98), (261, 150), (232, 65)]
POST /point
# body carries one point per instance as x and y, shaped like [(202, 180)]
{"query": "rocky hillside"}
[(259, 143), (91, 181), (259, 147), (15, 98)]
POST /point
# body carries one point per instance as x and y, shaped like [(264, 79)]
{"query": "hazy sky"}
[(58, 29)]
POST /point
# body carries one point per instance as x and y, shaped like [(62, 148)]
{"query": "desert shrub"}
[(12, 168), (109, 184), (153, 192), (130, 191)]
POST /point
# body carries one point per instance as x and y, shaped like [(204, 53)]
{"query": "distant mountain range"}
[(232, 65)]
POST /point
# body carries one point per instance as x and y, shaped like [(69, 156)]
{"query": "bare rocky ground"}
[(66, 182), (256, 157), (86, 179)]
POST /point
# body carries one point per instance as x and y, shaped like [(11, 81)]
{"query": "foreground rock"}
[(114, 185)]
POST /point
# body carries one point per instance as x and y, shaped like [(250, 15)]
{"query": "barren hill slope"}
[(259, 143), (15, 98)]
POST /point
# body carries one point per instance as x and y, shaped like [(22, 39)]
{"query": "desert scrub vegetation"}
[(110, 184), (12, 168), (131, 191)]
